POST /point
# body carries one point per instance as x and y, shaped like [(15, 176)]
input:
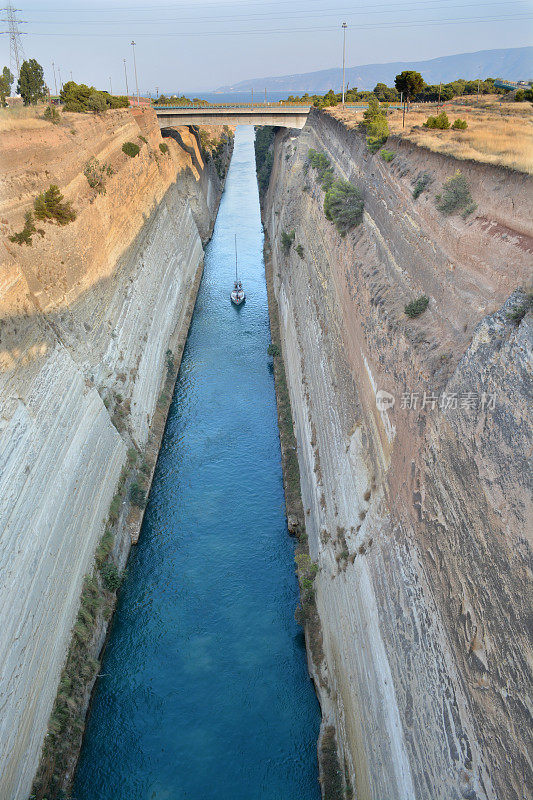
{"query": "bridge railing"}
[(256, 106)]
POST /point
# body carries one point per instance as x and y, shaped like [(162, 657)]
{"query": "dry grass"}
[(496, 134), (12, 119)]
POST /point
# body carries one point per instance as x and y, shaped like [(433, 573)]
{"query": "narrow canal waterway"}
[(204, 692)]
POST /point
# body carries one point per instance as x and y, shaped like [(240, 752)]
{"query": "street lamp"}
[(344, 26), (126, 76), (135, 70)]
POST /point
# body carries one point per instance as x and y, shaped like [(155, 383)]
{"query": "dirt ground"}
[(497, 133)]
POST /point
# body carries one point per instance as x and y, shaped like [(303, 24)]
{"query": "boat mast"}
[(236, 278)]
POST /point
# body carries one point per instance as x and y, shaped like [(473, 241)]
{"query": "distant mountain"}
[(512, 64)]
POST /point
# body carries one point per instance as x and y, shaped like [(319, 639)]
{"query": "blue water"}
[(204, 692)]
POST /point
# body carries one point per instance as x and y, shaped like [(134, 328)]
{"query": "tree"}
[(385, 94), (410, 83), (6, 81), (31, 82)]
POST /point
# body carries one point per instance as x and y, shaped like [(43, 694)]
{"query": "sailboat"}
[(237, 295)]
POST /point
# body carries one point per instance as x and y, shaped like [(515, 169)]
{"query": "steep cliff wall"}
[(416, 509), (87, 313)]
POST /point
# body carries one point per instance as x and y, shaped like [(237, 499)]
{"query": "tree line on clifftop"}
[(410, 86), (78, 97)]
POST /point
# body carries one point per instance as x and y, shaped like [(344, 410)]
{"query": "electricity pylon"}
[(16, 51)]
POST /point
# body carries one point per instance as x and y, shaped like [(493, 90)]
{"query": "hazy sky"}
[(203, 45)]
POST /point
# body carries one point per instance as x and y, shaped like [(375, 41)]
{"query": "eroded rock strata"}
[(418, 513), (89, 315)]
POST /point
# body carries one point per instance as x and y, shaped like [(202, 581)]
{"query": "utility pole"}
[(60, 81), (55, 79), (16, 51), (135, 70), (440, 88), (156, 92), (344, 26), (126, 76), (478, 91), (110, 86)]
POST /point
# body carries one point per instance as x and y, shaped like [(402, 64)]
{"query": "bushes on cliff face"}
[(286, 241), (25, 235), (416, 307), (456, 196), (49, 206), (131, 149), (421, 184), (343, 205), (264, 156), (96, 174), (322, 165)]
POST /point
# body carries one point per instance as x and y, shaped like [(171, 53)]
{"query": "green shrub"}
[(79, 97), (273, 350), (460, 125), (104, 548), (456, 196), (25, 235), (52, 115), (110, 576), (264, 156), (417, 307), (49, 206), (118, 101), (518, 313), (322, 164), (163, 147), (130, 149), (286, 241), (520, 96), (97, 103), (387, 155), (300, 251), (143, 139), (441, 122), (343, 205), (94, 172), (375, 124), (137, 495), (422, 183)]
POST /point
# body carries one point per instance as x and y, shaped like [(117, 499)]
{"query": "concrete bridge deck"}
[(286, 116)]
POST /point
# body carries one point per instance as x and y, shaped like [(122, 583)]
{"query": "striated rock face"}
[(86, 316), (417, 507)]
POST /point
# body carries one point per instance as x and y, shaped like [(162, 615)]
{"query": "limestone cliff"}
[(416, 501), (87, 313)]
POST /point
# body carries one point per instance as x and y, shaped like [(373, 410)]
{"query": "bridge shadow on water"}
[(204, 692)]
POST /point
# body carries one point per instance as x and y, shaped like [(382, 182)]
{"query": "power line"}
[(375, 10), (16, 51), (292, 30)]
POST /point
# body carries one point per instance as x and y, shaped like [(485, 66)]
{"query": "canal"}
[(204, 692)]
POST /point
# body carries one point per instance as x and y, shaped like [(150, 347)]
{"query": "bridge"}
[(285, 116), (236, 114)]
